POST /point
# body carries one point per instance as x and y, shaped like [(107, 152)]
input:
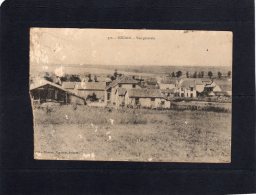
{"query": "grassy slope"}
[(87, 134)]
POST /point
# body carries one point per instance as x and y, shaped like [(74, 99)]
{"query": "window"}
[(108, 96), (153, 99), (133, 86), (191, 95), (162, 103), (119, 85), (191, 88)]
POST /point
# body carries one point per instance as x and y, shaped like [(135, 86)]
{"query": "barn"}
[(46, 91), (146, 98), (90, 89), (70, 86)]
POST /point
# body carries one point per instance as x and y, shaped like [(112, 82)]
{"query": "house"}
[(46, 91), (223, 87), (151, 83), (120, 97), (146, 98), (190, 87), (70, 86), (208, 86), (95, 90), (169, 93), (168, 83), (123, 81)]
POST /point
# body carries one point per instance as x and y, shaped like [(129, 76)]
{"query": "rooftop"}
[(146, 93), (225, 85), (123, 80), (91, 86), (190, 82), (45, 82), (68, 85)]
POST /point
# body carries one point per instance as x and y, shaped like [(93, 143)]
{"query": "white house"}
[(190, 87)]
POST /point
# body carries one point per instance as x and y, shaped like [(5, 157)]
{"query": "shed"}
[(46, 91)]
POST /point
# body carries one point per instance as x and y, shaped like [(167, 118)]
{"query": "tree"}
[(187, 74), (95, 78), (195, 75), (48, 77), (63, 78), (89, 78), (74, 78), (210, 74), (115, 73), (219, 75), (112, 78), (178, 74), (229, 74), (202, 74), (173, 74)]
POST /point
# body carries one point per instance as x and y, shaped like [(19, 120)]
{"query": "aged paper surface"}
[(131, 95)]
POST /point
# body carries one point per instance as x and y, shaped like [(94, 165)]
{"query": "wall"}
[(200, 88), (187, 92), (113, 90), (75, 100), (216, 88), (147, 103), (85, 93), (166, 86), (120, 100)]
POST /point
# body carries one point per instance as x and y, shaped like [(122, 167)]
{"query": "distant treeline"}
[(201, 74), (93, 78)]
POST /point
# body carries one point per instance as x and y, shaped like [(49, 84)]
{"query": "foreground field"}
[(86, 133)]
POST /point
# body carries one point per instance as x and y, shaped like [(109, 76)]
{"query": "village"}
[(129, 91), (122, 115)]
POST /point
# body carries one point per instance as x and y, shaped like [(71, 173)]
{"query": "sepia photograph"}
[(131, 94)]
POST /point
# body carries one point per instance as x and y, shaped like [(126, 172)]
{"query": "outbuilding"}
[(146, 98), (46, 91)]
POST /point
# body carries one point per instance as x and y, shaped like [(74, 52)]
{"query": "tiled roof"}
[(206, 81), (190, 82), (91, 86), (45, 82), (68, 85), (146, 93), (225, 85), (169, 81), (168, 90), (123, 80)]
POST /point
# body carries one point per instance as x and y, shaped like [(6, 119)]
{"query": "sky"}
[(70, 46)]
